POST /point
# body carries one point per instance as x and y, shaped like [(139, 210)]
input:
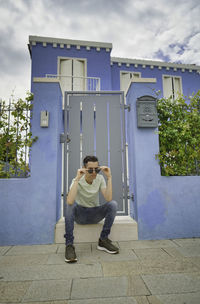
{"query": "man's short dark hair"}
[(89, 158)]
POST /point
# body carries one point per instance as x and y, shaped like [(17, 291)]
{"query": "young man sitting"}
[(83, 205)]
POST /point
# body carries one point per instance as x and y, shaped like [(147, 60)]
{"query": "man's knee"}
[(113, 205)]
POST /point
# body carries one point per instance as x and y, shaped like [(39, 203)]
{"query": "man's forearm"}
[(108, 193), (72, 193)]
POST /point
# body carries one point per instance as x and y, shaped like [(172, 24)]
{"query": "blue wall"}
[(45, 60), (30, 207), (165, 207)]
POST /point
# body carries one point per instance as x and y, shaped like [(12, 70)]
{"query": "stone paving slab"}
[(79, 247), (142, 300), (33, 249), (99, 287), (152, 253), (48, 302), (56, 259), (50, 272), (137, 286), (195, 261), (23, 260), (116, 300), (185, 298), (13, 292), (48, 290), (147, 244), (148, 267), (173, 252), (187, 242), (83, 258), (124, 254), (191, 251), (148, 300), (154, 300), (170, 265), (4, 249), (172, 283)]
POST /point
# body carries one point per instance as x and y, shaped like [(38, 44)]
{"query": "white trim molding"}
[(45, 79), (145, 80), (34, 39), (140, 80), (158, 64)]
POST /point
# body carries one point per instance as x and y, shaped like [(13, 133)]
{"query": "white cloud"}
[(138, 29)]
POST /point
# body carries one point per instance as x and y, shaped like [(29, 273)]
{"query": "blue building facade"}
[(45, 54), (164, 207)]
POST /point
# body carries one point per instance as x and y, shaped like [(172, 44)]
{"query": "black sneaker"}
[(107, 246), (70, 254)]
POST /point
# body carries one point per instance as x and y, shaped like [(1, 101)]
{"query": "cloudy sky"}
[(167, 30)]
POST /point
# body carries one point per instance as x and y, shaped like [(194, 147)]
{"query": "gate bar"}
[(65, 157), (126, 189)]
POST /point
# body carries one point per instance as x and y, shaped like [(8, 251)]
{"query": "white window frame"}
[(173, 93), (128, 72)]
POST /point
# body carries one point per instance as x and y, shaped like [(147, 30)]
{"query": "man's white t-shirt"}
[(88, 194)]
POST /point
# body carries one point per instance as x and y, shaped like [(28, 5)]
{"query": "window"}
[(125, 78), (72, 74), (172, 86)]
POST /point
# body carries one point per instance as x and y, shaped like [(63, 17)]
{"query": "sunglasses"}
[(90, 171)]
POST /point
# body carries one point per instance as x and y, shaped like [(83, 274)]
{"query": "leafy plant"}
[(16, 137), (179, 135)]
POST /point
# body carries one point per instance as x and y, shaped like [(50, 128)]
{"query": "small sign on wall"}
[(147, 116), (44, 119)]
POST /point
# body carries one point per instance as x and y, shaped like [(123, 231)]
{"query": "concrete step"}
[(123, 229)]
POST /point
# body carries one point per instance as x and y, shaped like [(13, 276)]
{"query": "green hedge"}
[(179, 135)]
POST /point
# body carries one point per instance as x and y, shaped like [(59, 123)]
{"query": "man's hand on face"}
[(106, 171), (80, 173)]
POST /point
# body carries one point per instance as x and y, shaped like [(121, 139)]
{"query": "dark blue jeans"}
[(83, 215)]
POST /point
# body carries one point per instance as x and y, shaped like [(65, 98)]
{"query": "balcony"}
[(77, 83)]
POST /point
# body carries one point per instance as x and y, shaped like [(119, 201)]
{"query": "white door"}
[(171, 86), (167, 87), (78, 75), (66, 74), (177, 87)]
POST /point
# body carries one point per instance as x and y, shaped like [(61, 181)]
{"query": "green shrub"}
[(179, 135), (15, 137)]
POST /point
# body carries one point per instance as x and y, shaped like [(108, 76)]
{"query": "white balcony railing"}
[(77, 83)]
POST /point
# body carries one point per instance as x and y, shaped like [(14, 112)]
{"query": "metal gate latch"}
[(132, 197), (64, 138)]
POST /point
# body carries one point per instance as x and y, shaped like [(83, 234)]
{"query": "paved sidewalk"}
[(145, 272)]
